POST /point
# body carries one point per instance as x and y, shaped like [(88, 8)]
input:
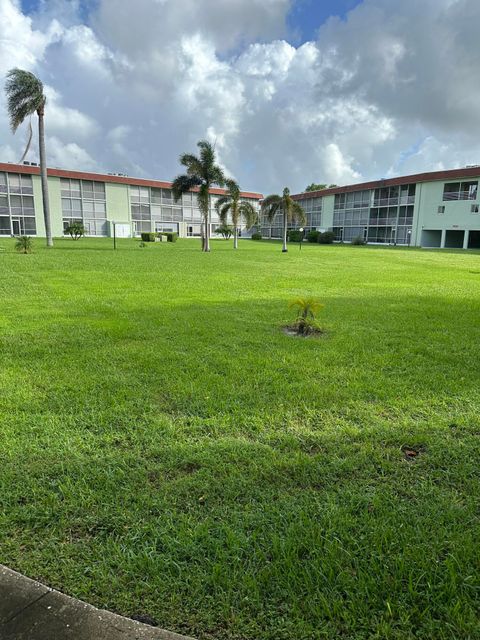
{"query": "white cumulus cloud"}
[(390, 89)]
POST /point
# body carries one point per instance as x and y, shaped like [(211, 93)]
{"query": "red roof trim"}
[(100, 177), (432, 176)]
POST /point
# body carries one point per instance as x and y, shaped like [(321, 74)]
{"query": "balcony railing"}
[(459, 195)]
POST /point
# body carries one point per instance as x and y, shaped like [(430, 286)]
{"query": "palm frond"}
[(207, 153), (192, 163), (269, 200), (217, 176), (306, 307), (221, 201), (182, 184), (25, 95), (249, 214), (223, 212), (232, 188), (271, 205), (297, 213)]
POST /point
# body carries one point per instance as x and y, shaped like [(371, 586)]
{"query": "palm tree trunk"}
[(284, 248), (207, 224), (235, 237), (43, 174)]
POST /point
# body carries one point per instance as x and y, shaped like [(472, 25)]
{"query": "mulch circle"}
[(412, 453)]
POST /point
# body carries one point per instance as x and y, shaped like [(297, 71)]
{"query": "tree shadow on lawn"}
[(403, 353)]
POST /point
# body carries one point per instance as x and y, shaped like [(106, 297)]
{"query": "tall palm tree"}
[(203, 173), (239, 210), (24, 97), (285, 204)]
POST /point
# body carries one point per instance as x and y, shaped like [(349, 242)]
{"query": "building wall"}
[(436, 213), (457, 215), (118, 203), (96, 201), (431, 210)]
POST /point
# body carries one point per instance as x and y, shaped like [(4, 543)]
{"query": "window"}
[(26, 183), (167, 195), (87, 189), (441, 209), (100, 210), (16, 205), (474, 208), (5, 226), (14, 182), (156, 195), (3, 182), (75, 188), (65, 186), (28, 206), (4, 208), (99, 190), (460, 191)]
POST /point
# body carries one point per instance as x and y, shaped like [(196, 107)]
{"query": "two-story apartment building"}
[(98, 200), (436, 209)]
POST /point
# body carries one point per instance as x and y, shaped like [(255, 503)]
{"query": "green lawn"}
[(167, 450)]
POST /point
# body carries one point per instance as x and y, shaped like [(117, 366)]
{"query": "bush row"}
[(325, 237), (151, 237)]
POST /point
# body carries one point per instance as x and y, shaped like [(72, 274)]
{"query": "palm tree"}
[(24, 244), (24, 97), (307, 309), (203, 173), (285, 204), (231, 204)]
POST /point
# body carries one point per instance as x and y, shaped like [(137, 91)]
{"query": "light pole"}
[(301, 238), (114, 236)]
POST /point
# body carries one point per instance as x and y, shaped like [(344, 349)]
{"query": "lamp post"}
[(114, 236), (301, 238)]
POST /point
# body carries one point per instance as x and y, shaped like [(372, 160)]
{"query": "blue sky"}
[(304, 19), (306, 16)]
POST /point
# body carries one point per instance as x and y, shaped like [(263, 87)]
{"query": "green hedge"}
[(326, 238), (256, 236), (295, 235), (148, 237), (312, 236)]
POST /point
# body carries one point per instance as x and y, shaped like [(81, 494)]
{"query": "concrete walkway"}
[(31, 611)]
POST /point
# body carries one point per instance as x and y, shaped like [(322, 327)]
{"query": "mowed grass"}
[(167, 450)]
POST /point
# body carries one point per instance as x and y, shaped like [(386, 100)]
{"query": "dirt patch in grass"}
[(291, 330), (412, 453)]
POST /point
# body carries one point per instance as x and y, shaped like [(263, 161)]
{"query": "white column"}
[(466, 238), (442, 241)]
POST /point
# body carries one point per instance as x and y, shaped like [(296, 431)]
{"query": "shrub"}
[(148, 236), (226, 230), (358, 240), (312, 236), (295, 235), (171, 236), (307, 308), (24, 244), (327, 237), (75, 230), (256, 236)]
